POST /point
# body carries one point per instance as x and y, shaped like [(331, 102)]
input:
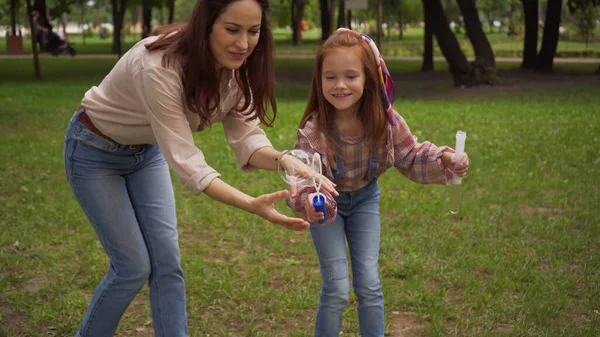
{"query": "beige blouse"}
[(141, 102)]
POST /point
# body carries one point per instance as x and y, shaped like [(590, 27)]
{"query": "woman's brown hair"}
[(371, 111), (189, 46)]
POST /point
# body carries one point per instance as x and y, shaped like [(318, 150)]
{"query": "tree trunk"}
[(325, 27), (13, 17), (146, 18), (530, 7), (118, 11), (550, 37), (171, 10), (297, 14), (427, 42), (379, 23), (341, 14), (349, 15), (34, 50), (40, 6), (389, 27), (512, 30), (401, 27), (459, 67), (161, 15), (485, 63), (82, 5), (332, 7)]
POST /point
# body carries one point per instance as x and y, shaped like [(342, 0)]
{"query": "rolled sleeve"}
[(244, 137), (160, 92)]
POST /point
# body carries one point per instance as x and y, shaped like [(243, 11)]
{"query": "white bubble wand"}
[(295, 174), (459, 152)]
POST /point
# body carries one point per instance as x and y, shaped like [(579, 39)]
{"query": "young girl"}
[(350, 122)]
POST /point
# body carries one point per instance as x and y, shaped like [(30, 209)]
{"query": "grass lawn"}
[(522, 258), (410, 45)]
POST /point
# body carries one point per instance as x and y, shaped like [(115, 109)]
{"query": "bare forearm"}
[(223, 192), (265, 158)]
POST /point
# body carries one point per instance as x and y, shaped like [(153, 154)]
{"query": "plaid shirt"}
[(419, 162)]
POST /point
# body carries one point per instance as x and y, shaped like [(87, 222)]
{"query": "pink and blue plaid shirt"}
[(419, 162)]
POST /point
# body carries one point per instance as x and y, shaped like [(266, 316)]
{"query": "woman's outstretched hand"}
[(264, 206)]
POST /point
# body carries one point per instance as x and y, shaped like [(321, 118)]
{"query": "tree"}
[(493, 10), (36, 60), (482, 71), (325, 20), (297, 15), (40, 6), (60, 8), (404, 11), (118, 12), (379, 23), (146, 18), (530, 8), (427, 42), (332, 7), (452, 14), (13, 17), (484, 55), (459, 67), (550, 37), (82, 5), (171, 6), (341, 14), (584, 14), (513, 18)]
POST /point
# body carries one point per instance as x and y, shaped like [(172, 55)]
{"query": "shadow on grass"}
[(294, 77), (56, 69)]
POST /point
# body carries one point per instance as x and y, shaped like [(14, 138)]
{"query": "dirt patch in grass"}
[(438, 84), (529, 210), (405, 324), (139, 309), (503, 329), (11, 320), (34, 284)]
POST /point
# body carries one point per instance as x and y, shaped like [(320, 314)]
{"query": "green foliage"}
[(493, 10), (405, 11), (583, 15), (280, 14), (575, 5)]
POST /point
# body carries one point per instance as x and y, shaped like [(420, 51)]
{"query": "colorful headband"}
[(388, 88)]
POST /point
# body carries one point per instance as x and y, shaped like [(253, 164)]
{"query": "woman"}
[(217, 68)]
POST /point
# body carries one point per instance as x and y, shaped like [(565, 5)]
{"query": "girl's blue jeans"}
[(358, 222), (127, 196)]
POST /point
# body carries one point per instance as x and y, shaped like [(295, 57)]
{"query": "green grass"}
[(522, 259), (410, 45)]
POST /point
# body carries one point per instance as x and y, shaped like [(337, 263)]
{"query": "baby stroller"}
[(52, 43)]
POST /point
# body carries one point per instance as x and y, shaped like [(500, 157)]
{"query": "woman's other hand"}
[(264, 206)]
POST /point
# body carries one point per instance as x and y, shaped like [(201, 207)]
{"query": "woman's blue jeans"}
[(127, 195), (358, 222)]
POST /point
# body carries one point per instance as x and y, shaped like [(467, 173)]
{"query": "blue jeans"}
[(358, 222), (127, 195)]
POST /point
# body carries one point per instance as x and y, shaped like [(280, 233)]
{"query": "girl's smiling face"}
[(343, 79)]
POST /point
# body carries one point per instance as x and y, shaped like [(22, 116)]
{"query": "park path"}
[(308, 56)]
